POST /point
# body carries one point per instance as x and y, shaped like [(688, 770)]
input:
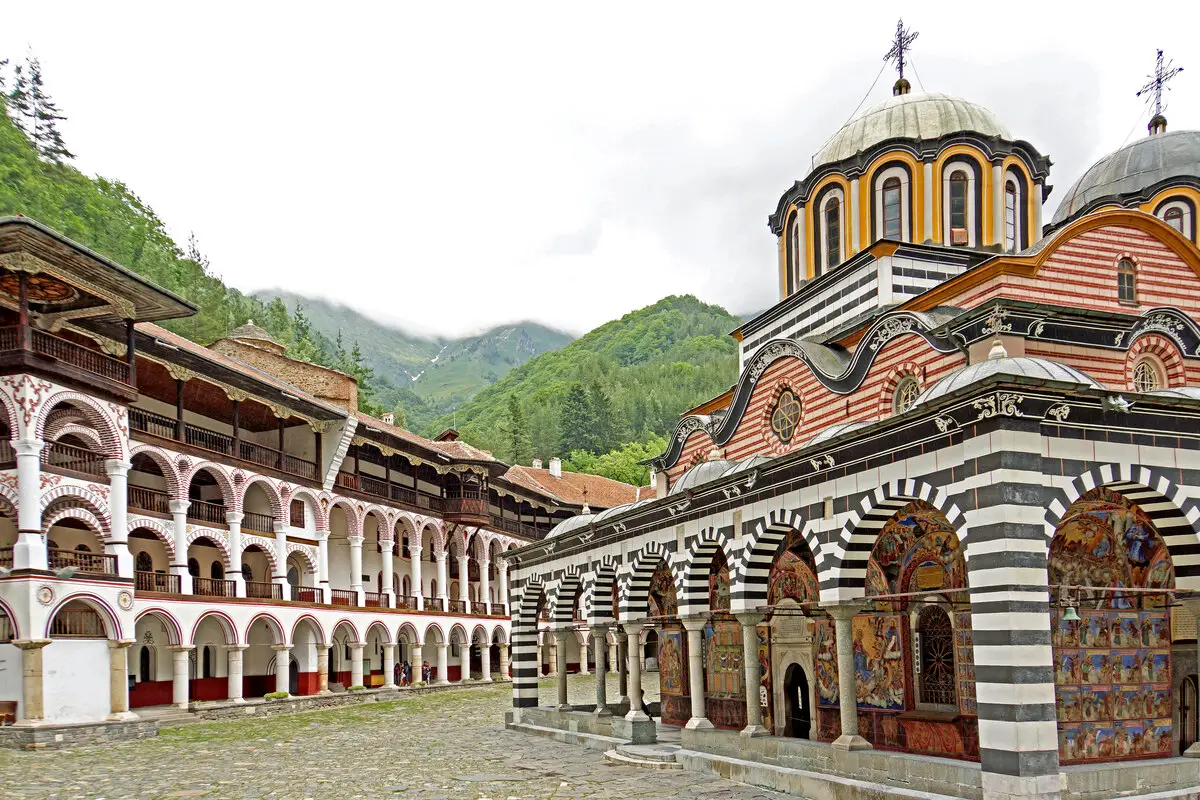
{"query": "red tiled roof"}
[(600, 493)]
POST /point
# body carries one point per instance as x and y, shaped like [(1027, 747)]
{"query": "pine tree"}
[(604, 423), (516, 433), (20, 107), (46, 117), (576, 421), (399, 418)]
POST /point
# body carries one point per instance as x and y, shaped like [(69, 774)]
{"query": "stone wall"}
[(326, 384), (54, 737)]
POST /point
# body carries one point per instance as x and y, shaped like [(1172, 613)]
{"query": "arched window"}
[(892, 209), (404, 546), (293, 575), (216, 571), (145, 672), (247, 573), (958, 209), (785, 418), (1174, 218), (193, 568), (407, 586), (938, 685), (82, 548), (1010, 217), (1146, 376), (1126, 281), (907, 391), (143, 562), (206, 662), (833, 233), (791, 252)]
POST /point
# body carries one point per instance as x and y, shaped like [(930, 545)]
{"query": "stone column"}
[(389, 594), (583, 653), (418, 660), (32, 703), (179, 509), (560, 640), (485, 585), (843, 619), (600, 634), (622, 666), (179, 674), (927, 197), (443, 587), (323, 669), (414, 566), (323, 565), (356, 568), (504, 662), (118, 504), (443, 664), (540, 658), (997, 205), (356, 663), (29, 552), (389, 666), (485, 662), (633, 655), (281, 554), (552, 656), (612, 656), (118, 680), (502, 589), (234, 520), (464, 581), (754, 726), (283, 662), (695, 627), (233, 670)]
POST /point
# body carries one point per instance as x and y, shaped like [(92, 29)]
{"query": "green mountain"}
[(427, 376), (624, 382)]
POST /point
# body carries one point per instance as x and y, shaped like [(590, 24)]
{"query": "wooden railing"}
[(519, 528), (213, 587), (378, 487), (403, 494), (204, 511), (308, 594), (154, 424), (156, 582), (499, 610), (259, 523), (406, 601), (458, 607), (372, 600), (6, 557), (264, 591), (465, 502), (79, 356), (77, 623), (57, 455), (343, 597), (87, 563), (371, 485), (152, 500)]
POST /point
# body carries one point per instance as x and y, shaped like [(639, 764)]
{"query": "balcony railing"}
[(343, 597), (467, 502), (58, 455), (204, 511), (458, 607), (264, 591), (213, 587), (259, 523), (377, 487), (519, 528), (67, 352), (308, 594), (406, 601), (156, 582), (222, 443), (77, 623), (372, 600), (86, 563), (6, 557), (151, 500), (499, 610)]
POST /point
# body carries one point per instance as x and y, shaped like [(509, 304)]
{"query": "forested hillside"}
[(620, 387)]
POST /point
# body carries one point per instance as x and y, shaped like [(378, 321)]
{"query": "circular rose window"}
[(785, 418)]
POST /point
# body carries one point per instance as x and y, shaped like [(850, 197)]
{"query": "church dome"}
[(1025, 369), (1133, 172), (930, 115), (701, 473), (256, 336), (570, 524)]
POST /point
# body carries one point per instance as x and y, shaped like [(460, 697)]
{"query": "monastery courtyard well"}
[(447, 745)]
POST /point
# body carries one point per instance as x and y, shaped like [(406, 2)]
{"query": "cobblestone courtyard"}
[(439, 746)]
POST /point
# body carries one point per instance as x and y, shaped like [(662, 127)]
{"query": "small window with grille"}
[(1146, 376), (1126, 281), (905, 396)]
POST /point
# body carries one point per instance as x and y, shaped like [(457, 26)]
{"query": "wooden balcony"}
[(521, 529), (213, 587), (308, 594), (467, 505), (149, 500), (84, 563), (373, 600), (264, 591), (206, 512), (251, 453), (59, 457), (343, 597), (28, 348), (377, 487), (458, 607), (406, 601), (160, 582), (258, 523), (499, 610)]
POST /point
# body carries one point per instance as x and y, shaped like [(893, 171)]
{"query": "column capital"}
[(234, 517), (357, 645), (281, 648), (386, 545), (844, 610), (115, 467), (27, 447), (355, 541), (698, 622), (414, 548), (118, 644), (230, 648), (30, 644), (749, 618), (325, 647), (179, 506), (561, 634), (182, 648), (281, 528)]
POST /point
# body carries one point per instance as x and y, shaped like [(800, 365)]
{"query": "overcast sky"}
[(450, 166)]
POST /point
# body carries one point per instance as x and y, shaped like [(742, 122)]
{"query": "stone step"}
[(593, 741), (650, 752), (620, 759)]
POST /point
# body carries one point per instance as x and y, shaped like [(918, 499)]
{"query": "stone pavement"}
[(447, 746)]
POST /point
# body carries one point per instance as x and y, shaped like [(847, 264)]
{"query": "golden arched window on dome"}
[(785, 418), (958, 207), (892, 216), (1174, 218)]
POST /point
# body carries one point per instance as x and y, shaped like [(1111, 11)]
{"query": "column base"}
[(602, 711), (754, 730), (125, 716), (637, 731), (850, 742), (485, 680), (563, 707), (441, 683), (1193, 751), (698, 723), (237, 700), (1027, 787), (325, 691), (637, 715)]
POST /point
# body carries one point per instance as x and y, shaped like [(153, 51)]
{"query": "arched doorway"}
[(799, 714), (293, 677), (1188, 694)]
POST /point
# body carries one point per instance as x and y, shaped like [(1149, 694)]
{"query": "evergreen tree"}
[(46, 117), (516, 433), (399, 418), (20, 106), (576, 421), (604, 422)]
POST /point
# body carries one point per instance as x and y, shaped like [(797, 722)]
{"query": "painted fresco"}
[(964, 663), (825, 663), (1112, 667), (672, 648), (879, 662), (793, 573), (663, 601), (724, 674), (765, 695), (671, 674)]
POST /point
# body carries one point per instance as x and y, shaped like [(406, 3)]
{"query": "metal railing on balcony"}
[(57, 455), (204, 511), (264, 591), (343, 597), (156, 582), (458, 607), (259, 523), (152, 500), (213, 587), (308, 594), (373, 600), (86, 563)]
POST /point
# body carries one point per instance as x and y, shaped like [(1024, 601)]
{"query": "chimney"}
[(389, 418), (555, 468), (537, 463)]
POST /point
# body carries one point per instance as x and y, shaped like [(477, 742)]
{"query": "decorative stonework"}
[(999, 404)]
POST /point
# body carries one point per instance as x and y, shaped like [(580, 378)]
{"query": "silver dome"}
[(1134, 169), (910, 116), (701, 473), (570, 524), (834, 431), (1178, 393), (747, 464), (1025, 368)]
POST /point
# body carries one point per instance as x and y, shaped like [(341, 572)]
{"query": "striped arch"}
[(312, 503), (750, 574), (78, 512), (354, 525), (455, 542), (313, 625), (851, 549), (217, 539), (597, 591), (68, 428), (166, 466), (267, 546), (70, 494), (101, 419), (1164, 350), (273, 625), (159, 528), (1174, 513), (383, 527), (562, 597), (14, 419), (633, 589), (8, 502), (224, 621), (233, 501), (174, 632), (437, 535), (524, 634), (306, 555), (344, 621), (696, 560), (270, 489)]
